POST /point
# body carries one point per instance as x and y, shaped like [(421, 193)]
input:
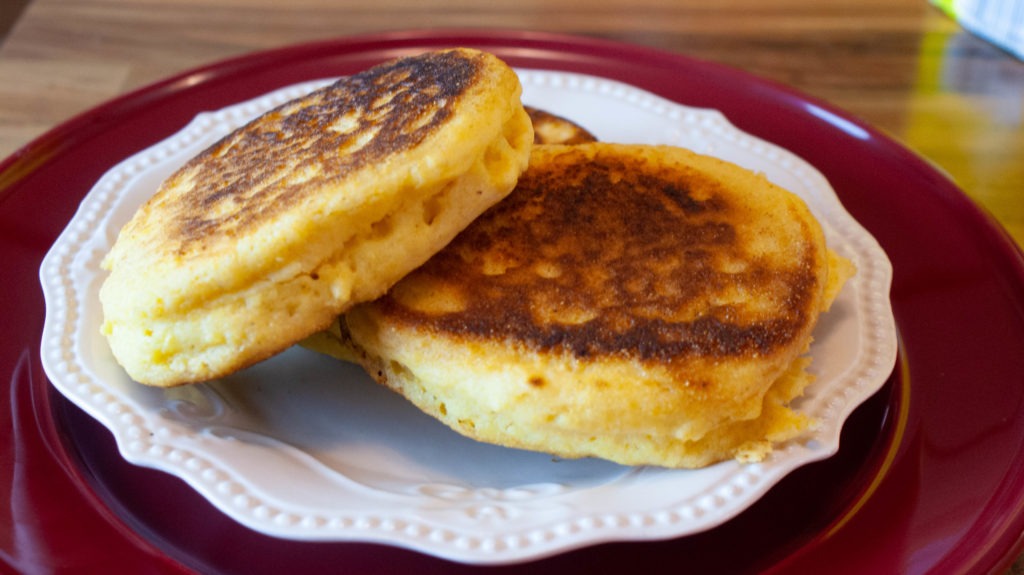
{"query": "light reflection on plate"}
[(304, 447)]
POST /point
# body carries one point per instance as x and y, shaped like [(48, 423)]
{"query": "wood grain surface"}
[(900, 65)]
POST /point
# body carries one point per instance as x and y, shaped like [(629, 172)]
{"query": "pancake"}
[(550, 128), (642, 304), (323, 202)]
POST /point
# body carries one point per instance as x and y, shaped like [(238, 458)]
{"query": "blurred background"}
[(905, 66)]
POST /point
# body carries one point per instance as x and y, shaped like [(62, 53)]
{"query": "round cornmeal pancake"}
[(642, 304), (551, 128), (328, 200)]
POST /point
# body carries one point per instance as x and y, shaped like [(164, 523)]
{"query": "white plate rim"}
[(70, 270)]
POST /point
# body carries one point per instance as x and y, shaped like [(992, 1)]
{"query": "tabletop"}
[(902, 66)]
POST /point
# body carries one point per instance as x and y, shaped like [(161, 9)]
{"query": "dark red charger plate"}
[(929, 472)]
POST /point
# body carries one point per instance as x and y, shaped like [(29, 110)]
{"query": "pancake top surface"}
[(649, 253), (257, 172)]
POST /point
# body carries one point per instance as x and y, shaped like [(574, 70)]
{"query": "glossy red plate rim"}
[(927, 477)]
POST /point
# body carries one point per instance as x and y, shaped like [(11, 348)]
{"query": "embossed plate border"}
[(251, 463)]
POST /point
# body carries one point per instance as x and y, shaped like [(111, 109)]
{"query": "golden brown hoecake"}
[(643, 304), (323, 202)]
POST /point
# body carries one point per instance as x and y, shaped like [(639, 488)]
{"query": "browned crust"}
[(244, 179), (633, 255), (551, 128)]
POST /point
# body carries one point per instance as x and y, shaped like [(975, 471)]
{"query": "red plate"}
[(928, 476)]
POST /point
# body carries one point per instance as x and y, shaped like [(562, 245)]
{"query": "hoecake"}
[(551, 128), (642, 304), (265, 237)]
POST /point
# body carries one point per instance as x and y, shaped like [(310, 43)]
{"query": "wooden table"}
[(900, 65)]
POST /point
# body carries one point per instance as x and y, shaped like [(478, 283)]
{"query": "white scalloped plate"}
[(307, 448)]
